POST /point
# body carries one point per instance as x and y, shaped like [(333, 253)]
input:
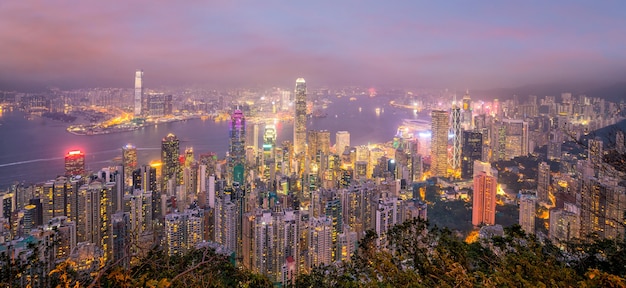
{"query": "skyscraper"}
[(515, 138), (342, 140), (484, 199), (543, 182), (74, 163), (466, 113), (472, 150), (170, 150), (129, 159), (139, 98), (439, 143), (456, 140), (527, 203), (299, 127), (237, 147)]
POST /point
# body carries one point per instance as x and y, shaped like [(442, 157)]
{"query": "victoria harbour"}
[(33, 150), (312, 144)]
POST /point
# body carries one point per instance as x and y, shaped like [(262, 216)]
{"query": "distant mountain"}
[(614, 92)]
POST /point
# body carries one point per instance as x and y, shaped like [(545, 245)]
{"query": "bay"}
[(32, 151)]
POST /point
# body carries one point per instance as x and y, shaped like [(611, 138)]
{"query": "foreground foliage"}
[(198, 268), (416, 256)]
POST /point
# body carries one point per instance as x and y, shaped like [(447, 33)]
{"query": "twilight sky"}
[(475, 44)]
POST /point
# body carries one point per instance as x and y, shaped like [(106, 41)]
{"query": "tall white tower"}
[(138, 92)]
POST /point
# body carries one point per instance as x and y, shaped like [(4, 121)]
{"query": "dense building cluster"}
[(280, 209)]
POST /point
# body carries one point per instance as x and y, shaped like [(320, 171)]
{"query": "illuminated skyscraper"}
[(466, 112), (299, 127), (439, 143), (484, 198), (456, 140), (320, 241), (139, 98), (170, 150), (472, 150), (129, 159), (74, 163), (237, 147), (319, 144), (342, 140)]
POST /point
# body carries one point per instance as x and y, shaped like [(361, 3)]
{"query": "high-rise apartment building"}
[(484, 198), (439, 143), (74, 163), (543, 182), (299, 126), (320, 241), (139, 97), (564, 224), (527, 208)]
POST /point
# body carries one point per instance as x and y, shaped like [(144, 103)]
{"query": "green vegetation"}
[(198, 268), (419, 256)]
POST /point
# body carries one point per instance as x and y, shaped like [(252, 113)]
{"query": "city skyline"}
[(453, 45)]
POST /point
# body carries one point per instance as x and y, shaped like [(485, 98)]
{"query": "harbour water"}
[(32, 150)]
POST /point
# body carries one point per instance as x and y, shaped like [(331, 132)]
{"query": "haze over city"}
[(459, 45), (312, 144)]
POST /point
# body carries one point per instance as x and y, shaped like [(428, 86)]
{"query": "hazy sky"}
[(476, 44)]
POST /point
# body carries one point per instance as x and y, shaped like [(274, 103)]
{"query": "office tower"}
[(342, 140), (74, 163), (456, 140), (466, 113), (285, 100), (237, 148), (269, 141), (299, 126), (170, 150), (139, 98), (129, 161), (602, 207), (564, 224), (527, 203), (439, 143), (543, 182), (620, 145), (320, 241), (472, 150), (515, 138), (318, 144), (484, 199)]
